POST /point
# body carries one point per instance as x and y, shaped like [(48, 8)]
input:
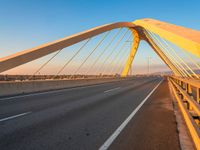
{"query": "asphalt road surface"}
[(74, 118)]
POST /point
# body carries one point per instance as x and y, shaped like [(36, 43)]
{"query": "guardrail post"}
[(198, 95), (179, 82), (182, 84), (189, 89), (181, 95), (187, 105), (183, 90)]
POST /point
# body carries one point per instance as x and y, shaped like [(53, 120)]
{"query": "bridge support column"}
[(132, 53)]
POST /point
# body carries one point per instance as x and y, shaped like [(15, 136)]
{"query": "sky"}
[(28, 23)]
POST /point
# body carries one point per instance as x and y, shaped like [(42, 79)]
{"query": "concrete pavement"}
[(76, 118), (154, 127)]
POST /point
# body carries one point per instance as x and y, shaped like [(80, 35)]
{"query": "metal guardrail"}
[(187, 93)]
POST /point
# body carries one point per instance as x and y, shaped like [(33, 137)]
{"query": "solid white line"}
[(48, 92), (15, 116), (112, 90), (109, 141)]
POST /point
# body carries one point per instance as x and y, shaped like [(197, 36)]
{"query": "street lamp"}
[(149, 63)]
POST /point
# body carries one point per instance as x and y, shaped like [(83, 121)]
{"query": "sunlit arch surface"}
[(25, 56), (190, 41)]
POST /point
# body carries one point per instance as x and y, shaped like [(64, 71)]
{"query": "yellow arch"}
[(183, 37), (144, 36), (132, 53), (25, 56)]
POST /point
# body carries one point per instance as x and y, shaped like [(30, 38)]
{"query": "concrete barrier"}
[(24, 87)]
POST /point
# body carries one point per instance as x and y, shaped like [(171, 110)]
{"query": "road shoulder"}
[(153, 127)]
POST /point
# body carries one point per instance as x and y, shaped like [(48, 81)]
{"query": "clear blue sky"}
[(28, 23)]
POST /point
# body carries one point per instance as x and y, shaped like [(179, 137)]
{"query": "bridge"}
[(94, 102)]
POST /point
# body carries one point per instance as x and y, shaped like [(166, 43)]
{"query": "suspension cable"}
[(119, 52), (191, 59), (68, 62), (104, 50), (105, 35), (118, 60), (171, 65), (107, 58), (43, 65), (123, 62), (174, 61), (180, 58), (172, 57)]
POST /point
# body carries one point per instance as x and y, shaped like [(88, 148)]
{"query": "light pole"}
[(149, 63)]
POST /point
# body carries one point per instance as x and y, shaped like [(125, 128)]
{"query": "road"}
[(74, 118)]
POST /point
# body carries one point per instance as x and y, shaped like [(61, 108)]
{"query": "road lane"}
[(153, 127), (83, 122), (41, 101), (110, 140)]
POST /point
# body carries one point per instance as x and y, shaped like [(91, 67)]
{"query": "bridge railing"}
[(187, 94)]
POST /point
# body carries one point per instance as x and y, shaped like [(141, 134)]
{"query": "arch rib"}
[(185, 38), (25, 56), (132, 53)]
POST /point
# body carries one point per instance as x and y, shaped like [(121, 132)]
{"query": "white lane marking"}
[(48, 92), (109, 141), (15, 116), (112, 90)]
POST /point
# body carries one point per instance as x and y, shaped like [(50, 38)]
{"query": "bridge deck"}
[(85, 117), (154, 126)]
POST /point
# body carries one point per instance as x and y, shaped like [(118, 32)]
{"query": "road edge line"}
[(110, 140)]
